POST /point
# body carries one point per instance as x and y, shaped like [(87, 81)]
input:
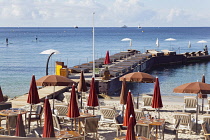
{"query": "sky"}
[(108, 13)]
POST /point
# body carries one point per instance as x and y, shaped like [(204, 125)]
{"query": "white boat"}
[(139, 27)]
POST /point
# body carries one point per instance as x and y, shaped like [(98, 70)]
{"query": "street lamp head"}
[(50, 51)]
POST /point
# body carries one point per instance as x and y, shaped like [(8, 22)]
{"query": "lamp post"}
[(51, 52)]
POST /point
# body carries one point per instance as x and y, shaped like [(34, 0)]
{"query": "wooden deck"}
[(48, 91)]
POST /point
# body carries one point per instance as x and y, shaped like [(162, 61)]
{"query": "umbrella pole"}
[(137, 106), (81, 100), (202, 105), (123, 108), (93, 110), (196, 125), (29, 119), (53, 99)]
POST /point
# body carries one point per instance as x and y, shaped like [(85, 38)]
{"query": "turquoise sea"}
[(20, 59)]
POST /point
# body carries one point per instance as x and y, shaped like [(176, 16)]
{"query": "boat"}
[(76, 27), (124, 26), (139, 27)]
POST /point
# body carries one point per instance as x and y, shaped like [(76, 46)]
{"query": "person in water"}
[(7, 41)]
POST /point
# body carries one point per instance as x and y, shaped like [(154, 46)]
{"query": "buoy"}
[(142, 31)]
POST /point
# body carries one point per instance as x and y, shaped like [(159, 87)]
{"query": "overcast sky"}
[(108, 13)]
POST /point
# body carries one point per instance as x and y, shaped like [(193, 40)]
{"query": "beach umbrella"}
[(170, 39), (139, 77), (129, 110), (54, 80), (73, 110), (202, 96), (107, 59), (123, 95), (33, 97), (81, 85), (157, 43), (156, 99), (1, 95), (20, 129), (195, 88), (48, 129), (93, 97), (130, 134), (202, 42), (127, 39)]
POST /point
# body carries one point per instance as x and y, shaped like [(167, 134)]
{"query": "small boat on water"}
[(76, 27), (139, 27), (124, 26)]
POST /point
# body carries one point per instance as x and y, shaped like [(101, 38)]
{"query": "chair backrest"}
[(108, 113), (147, 100), (91, 125), (206, 118), (56, 122), (119, 120), (11, 121), (62, 110), (185, 118), (67, 97), (39, 110), (177, 123), (205, 128), (139, 114), (143, 130), (37, 134), (190, 102)]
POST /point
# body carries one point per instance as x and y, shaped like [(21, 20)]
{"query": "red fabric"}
[(82, 85), (130, 134), (1, 96), (107, 59), (123, 95), (48, 129), (129, 110), (156, 100), (20, 129), (33, 96), (93, 98), (73, 110)]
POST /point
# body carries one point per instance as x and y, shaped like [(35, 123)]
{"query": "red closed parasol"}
[(73, 110), (82, 85), (20, 129), (156, 99), (33, 97), (130, 134), (1, 96), (93, 97), (107, 59), (48, 129), (129, 110)]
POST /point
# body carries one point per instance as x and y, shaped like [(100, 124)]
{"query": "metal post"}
[(93, 47), (48, 62)]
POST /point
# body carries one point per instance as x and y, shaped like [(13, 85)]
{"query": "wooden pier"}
[(44, 92)]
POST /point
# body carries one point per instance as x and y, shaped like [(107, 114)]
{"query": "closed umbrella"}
[(196, 88), (73, 110), (107, 59), (20, 129), (130, 134), (48, 129), (123, 95), (1, 95), (81, 85), (202, 96), (129, 110), (33, 97), (54, 80), (156, 99), (93, 97)]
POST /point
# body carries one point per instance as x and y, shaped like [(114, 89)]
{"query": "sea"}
[(21, 58)]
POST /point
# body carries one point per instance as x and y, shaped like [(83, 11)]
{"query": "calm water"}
[(20, 59)]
